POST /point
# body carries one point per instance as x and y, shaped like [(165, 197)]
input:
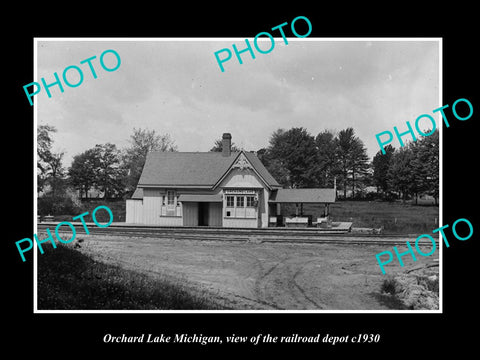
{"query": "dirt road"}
[(260, 275)]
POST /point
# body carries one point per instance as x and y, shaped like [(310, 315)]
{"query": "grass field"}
[(70, 280), (394, 217)]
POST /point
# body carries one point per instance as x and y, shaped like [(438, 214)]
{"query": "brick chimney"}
[(226, 144)]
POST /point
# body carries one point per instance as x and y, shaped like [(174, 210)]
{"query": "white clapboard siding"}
[(134, 211), (152, 206), (190, 214), (215, 212)]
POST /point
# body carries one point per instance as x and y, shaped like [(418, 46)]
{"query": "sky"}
[(175, 86)]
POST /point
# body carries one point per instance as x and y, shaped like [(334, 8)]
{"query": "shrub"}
[(416, 292), (56, 205), (389, 286)]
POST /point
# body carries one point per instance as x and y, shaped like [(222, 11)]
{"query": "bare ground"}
[(262, 275)]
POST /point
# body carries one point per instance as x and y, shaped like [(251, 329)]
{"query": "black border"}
[(405, 333)]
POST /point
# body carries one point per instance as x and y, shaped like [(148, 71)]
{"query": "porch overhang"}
[(303, 196), (200, 198)]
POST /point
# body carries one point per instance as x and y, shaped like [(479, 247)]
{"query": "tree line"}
[(409, 171), (105, 169), (298, 159), (295, 158)]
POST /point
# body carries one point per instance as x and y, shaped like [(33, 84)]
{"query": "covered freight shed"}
[(299, 197)]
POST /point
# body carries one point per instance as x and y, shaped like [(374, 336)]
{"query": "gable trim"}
[(233, 166)]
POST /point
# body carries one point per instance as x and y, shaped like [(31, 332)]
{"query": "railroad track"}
[(270, 235)]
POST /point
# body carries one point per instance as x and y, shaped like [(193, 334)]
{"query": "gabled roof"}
[(198, 169), (257, 167), (303, 196), (137, 194)]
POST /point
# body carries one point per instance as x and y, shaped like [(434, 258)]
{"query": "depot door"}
[(203, 213)]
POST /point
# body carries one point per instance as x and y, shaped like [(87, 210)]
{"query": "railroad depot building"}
[(218, 189)]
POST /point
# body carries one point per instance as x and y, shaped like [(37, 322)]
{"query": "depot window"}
[(170, 197), (240, 201), (241, 206)]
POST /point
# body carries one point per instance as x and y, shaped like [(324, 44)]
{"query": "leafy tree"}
[(381, 164), (142, 141), (359, 163), (100, 168), (275, 167), (109, 173), (44, 144), (50, 170), (344, 149), (83, 171), (56, 173), (401, 178), (425, 165), (353, 158), (294, 152), (327, 158)]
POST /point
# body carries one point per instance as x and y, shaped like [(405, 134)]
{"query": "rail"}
[(262, 235)]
